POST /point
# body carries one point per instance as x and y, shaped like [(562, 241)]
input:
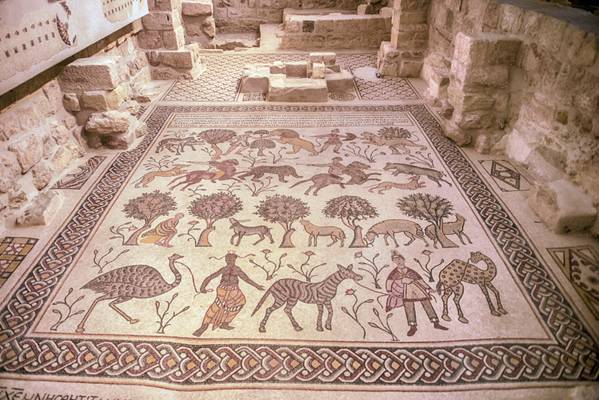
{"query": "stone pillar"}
[(403, 55), (198, 21), (479, 86), (164, 39)]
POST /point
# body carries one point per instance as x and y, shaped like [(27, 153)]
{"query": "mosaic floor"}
[(286, 250)]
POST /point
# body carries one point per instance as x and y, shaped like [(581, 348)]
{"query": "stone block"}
[(340, 81), (185, 58), (255, 79), (102, 100), (364, 9), (149, 40), (161, 21), (91, 73), (286, 89), (29, 149), (460, 136), (109, 123), (42, 173), (409, 68), (318, 70), (197, 8), (486, 48), (122, 141), (278, 67), (296, 69), (173, 40), (10, 170), (42, 210), (562, 206), (479, 119), (71, 102), (327, 57), (165, 5)]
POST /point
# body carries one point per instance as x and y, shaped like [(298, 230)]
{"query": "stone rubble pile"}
[(299, 81), (96, 90), (523, 80)]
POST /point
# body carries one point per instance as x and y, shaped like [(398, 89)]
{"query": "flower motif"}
[(427, 252), (266, 251), (358, 254), (350, 292), (309, 253)]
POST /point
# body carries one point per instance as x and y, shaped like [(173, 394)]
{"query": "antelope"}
[(314, 231), (240, 230), (449, 228), (147, 178)]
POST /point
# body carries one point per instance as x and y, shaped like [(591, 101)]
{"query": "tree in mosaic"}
[(284, 210), (351, 210), (429, 208), (147, 208), (214, 137), (211, 208)]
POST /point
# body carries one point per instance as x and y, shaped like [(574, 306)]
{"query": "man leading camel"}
[(406, 287)]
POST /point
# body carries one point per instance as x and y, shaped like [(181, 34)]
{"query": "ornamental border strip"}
[(573, 358)]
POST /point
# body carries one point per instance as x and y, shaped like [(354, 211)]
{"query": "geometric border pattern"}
[(13, 251), (572, 357)]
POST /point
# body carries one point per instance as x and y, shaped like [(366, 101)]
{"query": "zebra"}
[(291, 291)]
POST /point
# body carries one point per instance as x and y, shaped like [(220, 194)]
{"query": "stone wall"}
[(41, 123), (247, 15), (333, 30), (538, 101)]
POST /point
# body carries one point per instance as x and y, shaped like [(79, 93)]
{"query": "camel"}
[(454, 274)]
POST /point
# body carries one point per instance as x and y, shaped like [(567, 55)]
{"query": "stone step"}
[(270, 36), (286, 89), (234, 41)]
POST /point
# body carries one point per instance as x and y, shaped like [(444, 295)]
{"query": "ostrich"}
[(125, 283)]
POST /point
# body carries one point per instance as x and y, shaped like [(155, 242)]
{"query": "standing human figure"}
[(229, 298), (333, 139), (406, 287)]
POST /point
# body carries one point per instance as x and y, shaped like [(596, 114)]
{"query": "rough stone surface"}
[(28, 149), (109, 122), (9, 170), (197, 8), (92, 73), (41, 210), (101, 100), (255, 79), (42, 174), (340, 81), (296, 69), (286, 89), (562, 206), (71, 102)]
